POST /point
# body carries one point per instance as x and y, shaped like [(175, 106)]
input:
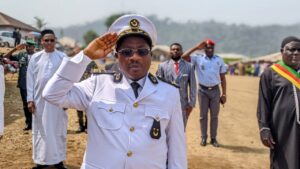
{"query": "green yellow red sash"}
[(287, 72)]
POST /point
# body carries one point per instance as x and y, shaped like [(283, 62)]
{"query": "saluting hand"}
[(20, 46), (201, 45), (101, 46), (31, 107)]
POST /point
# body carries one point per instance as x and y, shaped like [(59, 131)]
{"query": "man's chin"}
[(135, 75)]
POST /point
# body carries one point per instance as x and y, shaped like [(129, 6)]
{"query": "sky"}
[(63, 13)]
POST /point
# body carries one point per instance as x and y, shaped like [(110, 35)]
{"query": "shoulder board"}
[(152, 78), (170, 83), (103, 73), (117, 75)]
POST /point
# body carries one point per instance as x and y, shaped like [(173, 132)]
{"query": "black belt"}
[(208, 87)]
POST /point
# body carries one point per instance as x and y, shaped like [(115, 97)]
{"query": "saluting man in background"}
[(210, 70), (133, 123), (23, 58)]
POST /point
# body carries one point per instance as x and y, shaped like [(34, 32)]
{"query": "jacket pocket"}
[(151, 114), (110, 116)]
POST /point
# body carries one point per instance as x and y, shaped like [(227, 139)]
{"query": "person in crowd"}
[(17, 36), (23, 58), (134, 119), (2, 91), (180, 72), (49, 122), (278, 107), (210, 70)]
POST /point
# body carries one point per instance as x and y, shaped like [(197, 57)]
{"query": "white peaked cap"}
[(134, 24)]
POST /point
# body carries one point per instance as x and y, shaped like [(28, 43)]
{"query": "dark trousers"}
[(28, 115), (82, 123), (209, 100), (17, 41)]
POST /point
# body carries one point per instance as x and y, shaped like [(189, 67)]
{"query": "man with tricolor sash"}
[(278, 107)]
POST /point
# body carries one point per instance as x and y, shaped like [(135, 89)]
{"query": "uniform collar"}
[(147, 85), (213, 57), (141, 82), (178, 61)]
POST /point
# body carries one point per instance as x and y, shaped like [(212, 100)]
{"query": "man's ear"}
[(281, 50)]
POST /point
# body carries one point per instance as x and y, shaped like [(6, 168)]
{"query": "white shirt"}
[(208, 70)]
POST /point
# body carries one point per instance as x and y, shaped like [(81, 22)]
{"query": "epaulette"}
[(117, 75), (171, 83), (152, 78)]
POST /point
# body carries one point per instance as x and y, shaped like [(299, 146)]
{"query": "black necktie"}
[(135, 86)]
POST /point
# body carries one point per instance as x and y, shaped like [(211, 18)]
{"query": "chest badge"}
[(155, 131)]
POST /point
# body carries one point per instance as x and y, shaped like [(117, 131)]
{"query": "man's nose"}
[(135, 56)]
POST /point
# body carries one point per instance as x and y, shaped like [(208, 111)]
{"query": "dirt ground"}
[(237, 133)]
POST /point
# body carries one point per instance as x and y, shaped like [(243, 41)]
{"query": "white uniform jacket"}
[(118, 123)]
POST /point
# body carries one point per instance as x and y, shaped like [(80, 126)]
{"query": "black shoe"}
[(203, 142), (38, 166), (214, 142), (60, 166), (27, 128)]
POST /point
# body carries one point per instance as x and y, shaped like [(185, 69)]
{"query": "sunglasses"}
[(293, 49), (49, 40), (127, 52)]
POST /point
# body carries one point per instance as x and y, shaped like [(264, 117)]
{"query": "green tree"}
[(89, 36), (39, 22), (112, 18)]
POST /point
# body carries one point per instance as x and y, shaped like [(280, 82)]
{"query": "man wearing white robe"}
[(2, 90), (49, 122)]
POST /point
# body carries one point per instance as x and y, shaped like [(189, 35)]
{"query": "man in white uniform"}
[(49, 122), (2, 91), (135, 119)]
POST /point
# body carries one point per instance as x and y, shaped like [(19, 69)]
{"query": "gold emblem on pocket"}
[(155, 132)]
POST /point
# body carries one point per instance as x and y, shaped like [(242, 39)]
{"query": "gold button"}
[(132, 129), (110, 110), (135, 105), (129, 153)]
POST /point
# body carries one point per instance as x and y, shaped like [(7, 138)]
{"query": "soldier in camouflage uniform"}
[(23, 58)]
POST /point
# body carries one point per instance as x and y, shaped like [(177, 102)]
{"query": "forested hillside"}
[(230, 38)]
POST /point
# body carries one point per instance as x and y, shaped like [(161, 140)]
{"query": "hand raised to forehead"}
[(101, 46), (201, 45)]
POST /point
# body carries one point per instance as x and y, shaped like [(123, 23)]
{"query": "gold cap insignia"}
[(134, 24)]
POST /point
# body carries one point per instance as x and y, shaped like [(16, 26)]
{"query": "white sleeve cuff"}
[(264, 128), (73, 69)]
